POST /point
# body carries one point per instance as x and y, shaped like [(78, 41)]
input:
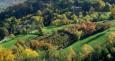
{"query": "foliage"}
[(103, 26), (61, 20), (38, 19), (73, 30), (72, 56), (113, 12), (88, 28), (53, 53), (101, 3), (58, 24), (104, 16), (75, 18), (6, 55), (40, 44), (86, 50), (29, 53), (94, 16), (3, 32), (81, 30), (88, 18), (111, 38)]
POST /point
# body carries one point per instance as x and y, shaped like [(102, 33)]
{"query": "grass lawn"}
[(96, 40), (92, 40), (11, 42)]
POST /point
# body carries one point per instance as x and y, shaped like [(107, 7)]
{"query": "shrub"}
[(78, 34), (103, 26), (74, 18), (59, 22), (111, 38), (113, 50), (88, 18), (40, 44), (71, 55), (29, 53), (101, 4), (39, 20), (74, 30), (95, 16), (104, 16), (3, 32), (86, 50), (80, 30), (54, 54), (88, 28), (113, 12), (23, 52)]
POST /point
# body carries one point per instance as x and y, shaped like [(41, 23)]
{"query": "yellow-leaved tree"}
[(113, 12), (29, 53), (86, 50), (6, 55), (111, 38), (101, 3)]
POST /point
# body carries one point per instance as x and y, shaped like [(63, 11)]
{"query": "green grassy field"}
[(99, 38), (46, 30), (11, 42)]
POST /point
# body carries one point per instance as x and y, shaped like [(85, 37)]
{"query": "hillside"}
[(57, 30)]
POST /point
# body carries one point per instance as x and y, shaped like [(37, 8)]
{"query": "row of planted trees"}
[(69, 18), (44, 50), (24, 25), (37, 21)]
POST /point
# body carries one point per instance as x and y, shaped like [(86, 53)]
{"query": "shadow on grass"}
[(98, 36)]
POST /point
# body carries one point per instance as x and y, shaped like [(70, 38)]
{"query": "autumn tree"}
[(111, 38), (29, 53), (6, 55), (88, 28), (103, 26), (86, 50), (113, 12)]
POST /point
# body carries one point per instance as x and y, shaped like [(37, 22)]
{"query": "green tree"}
[(38, 20), (104, 16), (75, 18), (3, 32), (101, 4), (40, 24), (13, 23)]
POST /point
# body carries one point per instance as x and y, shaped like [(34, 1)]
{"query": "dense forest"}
[(57, 30)]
